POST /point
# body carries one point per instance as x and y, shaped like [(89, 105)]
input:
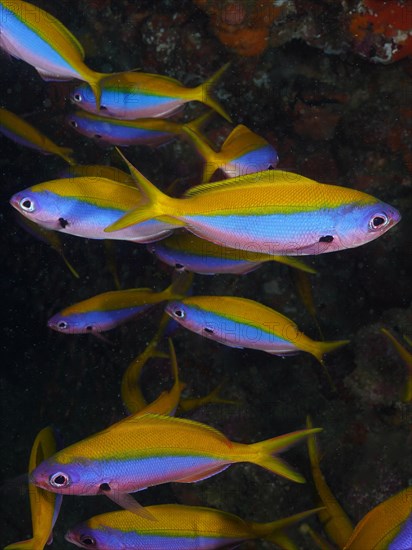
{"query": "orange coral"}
[(382, 30), (242, 25)]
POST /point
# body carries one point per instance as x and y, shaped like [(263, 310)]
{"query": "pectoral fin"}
[(126, 501)]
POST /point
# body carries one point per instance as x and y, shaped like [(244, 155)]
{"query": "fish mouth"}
[(34, 480), (70, 538), (14, 201), (396, 217)]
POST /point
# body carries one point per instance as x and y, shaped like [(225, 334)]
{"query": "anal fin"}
[(203, 475)]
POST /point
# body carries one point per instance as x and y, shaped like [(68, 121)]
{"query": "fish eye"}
[(270, 167), (378, 221), (62, 325), (98, 136), (89, 328), (59, 480), (87, 540), (73, 123), (179, 267), (26, 204), (77, 97), (179, 313), (208, 330)]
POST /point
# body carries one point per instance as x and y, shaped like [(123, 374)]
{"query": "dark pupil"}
[(179, 313), (89, 328), (60, 480), (73, 123), (378, 221), (77, 97), (27, 204), (62, 325), (326, 239), (98, 136), (105, 487), (270, 167), (88, 541), (179, 266), (208, 330)]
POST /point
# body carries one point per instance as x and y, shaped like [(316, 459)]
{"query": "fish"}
[(23, 133), (130, 390), (133, 94), (242, 323), (150, 132), (36, 37), (186, 252), (406, 356), (187, 404), (145, 131), (83, 206), (319, 541), (177, 527), (273, 212), (108, 310), (388, 526), (45, 506), (243, 152), (146, 450), (333, 517), (167, 402)]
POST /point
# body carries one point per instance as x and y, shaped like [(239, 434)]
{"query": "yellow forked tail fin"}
[(155, 203), (266, 453), (274, 531), (180, 286), (203, 93), (66, 154), (336, 523), (327, 347), (29, 544), (95, 82)]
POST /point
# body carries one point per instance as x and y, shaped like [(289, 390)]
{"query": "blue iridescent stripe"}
[(14, 26)]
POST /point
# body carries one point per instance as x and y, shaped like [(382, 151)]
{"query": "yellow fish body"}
[(147, 450), (334, 519), (407, 359), (388, 526), (20, 131), (272, 212), (35, 36), (180, 527), (243, 323), (45, 506)]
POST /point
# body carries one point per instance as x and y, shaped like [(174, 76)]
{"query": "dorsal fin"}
[(150, 417), (66, 33), (273, 176), (241, 131)]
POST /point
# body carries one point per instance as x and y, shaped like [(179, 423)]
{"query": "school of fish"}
[(256, 214)]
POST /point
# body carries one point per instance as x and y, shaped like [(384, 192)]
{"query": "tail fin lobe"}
[(266, 453), (204, 93)]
